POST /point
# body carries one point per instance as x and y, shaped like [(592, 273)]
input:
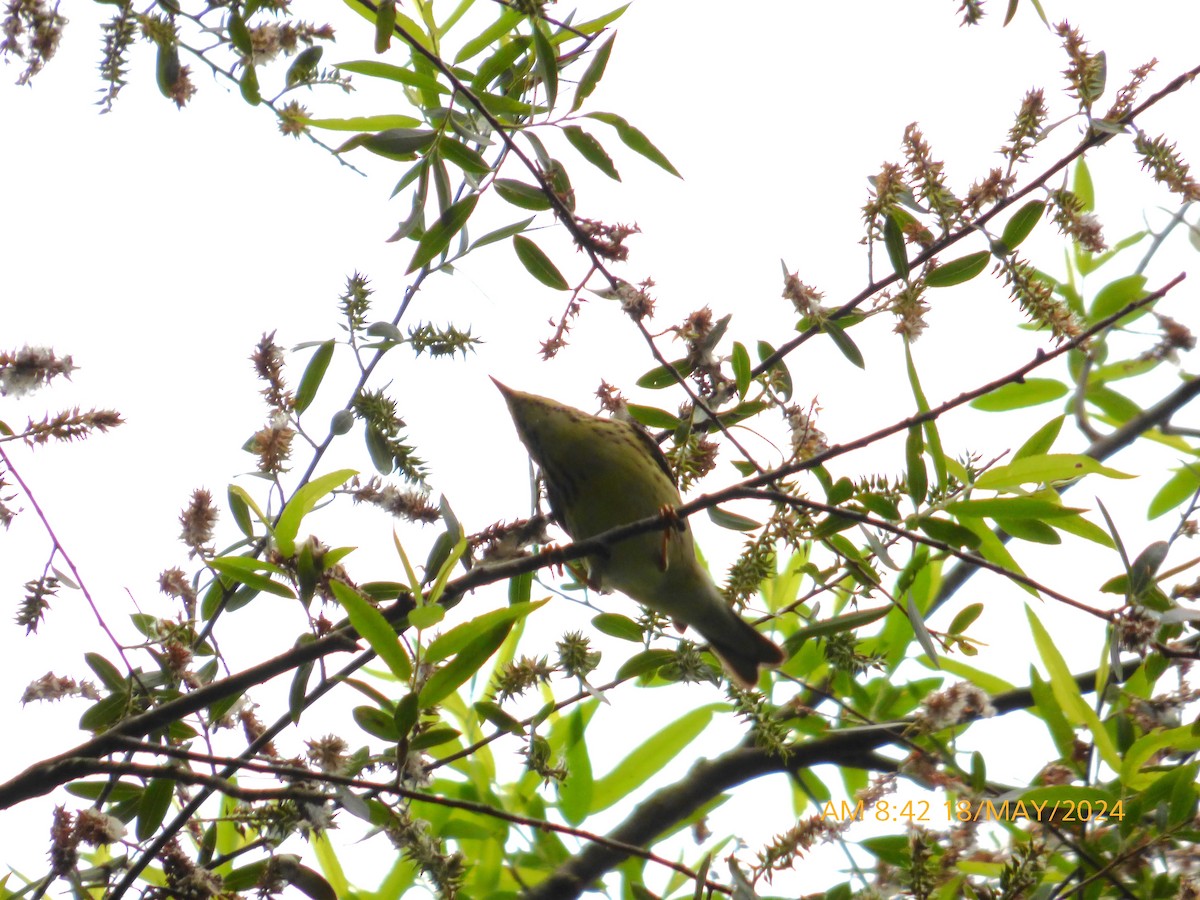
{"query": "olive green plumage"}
[(601, 473)]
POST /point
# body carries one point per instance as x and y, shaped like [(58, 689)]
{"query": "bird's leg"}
[(672, 523)]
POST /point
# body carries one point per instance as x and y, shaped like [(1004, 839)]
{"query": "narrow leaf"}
[(538, 264), (313, 373)]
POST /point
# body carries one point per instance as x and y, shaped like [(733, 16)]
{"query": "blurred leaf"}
[(385, 22), (1179, 488), (1030, 392), (1067, 693), (732, 521), (1009, 507), (893, 240), (427, 84), (1029, 530), (844, 343), (619, 626), (1041, 440), (546, 61), (645, 760), (665, 376), (1044, 469), (152, 808), (507, 21), (739, 361), (1116, 295)]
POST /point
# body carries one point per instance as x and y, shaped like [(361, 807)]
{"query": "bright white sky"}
[(155, 246)]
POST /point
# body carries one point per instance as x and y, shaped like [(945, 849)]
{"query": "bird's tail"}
[(742, 649)]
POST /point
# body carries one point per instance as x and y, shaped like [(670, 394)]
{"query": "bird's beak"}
[(504, 389)]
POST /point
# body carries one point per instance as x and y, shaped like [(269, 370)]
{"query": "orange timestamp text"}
[(1058, 811)]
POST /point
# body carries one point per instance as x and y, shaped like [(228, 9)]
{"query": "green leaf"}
[(503, 25), (1030, 392), (591, 150), (1116, 295), (393, 143), (1046, 468), (665, 376), (303, 500), (239, 508), (239, 34), (575, 794), (1009, 507), (501, 233), (646, 661), (465, 664), (365, 123), (1082, 186), (645, 760), (437, 238), (958, 270), (249, 86), (1022, 223), (1029, 530), (635, 140), (426, 616), (110, 676), (538, 264), (948, 532), (463, 156), (298, 689), (460, 636), (651, 416), (618, 626), (385, 22), (374, 629), (1041, 440), (375, 722), (740, 363), (893, 241), (965, 618), (152, 808), (594, 72), (918, 476), (313, 373), (1180, 741), (1068, 695), (373, 68), (844, 343), (493, 713), (245, 570), (1178, 488), (732, 521), (545, 61), (518, 193)]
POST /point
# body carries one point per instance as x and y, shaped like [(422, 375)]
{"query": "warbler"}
[(601, 473)]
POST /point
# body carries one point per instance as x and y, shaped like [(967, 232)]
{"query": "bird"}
[(601, 473)]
